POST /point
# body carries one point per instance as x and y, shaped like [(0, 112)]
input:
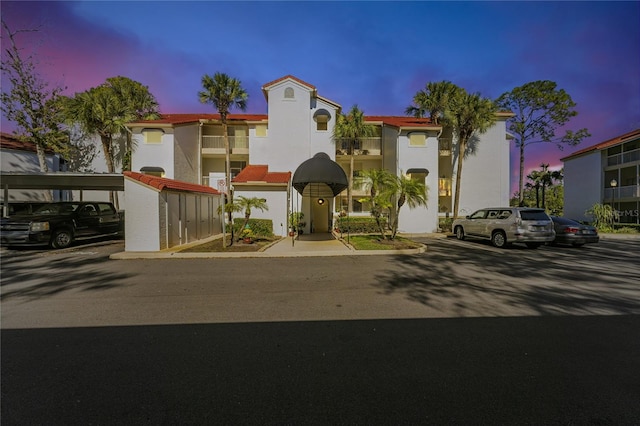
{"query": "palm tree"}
[(352, 127), (470, 114), (435, 100), (408, 191), (246, 204), (139, 103), (225, 93), (105, 110), (378, 182)]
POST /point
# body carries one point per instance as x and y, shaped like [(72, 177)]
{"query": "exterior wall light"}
[(321, 201)]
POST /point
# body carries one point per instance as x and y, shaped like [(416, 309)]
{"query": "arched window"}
[(322, 117), (288, 93)]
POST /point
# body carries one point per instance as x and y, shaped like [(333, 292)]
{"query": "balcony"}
[(444, 145), (622, 192), (215, 144), (364, 146), (625, 157)]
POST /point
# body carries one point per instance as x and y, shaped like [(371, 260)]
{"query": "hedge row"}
[(359, 225)]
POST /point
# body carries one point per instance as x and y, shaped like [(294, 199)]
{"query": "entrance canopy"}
[(320, 176)]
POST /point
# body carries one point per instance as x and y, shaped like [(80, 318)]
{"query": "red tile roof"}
[(606, 144), (8, 141), (399, 121), (176, 119), (174, 185), (304, 83), (260, 173)]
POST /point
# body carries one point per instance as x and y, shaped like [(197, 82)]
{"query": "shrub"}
[(259, 227), (359, 225)]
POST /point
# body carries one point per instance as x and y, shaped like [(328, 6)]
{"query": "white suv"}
[(505, 225)]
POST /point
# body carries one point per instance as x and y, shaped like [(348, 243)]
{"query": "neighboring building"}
[(299, 125), (608, 173), (20, 157)]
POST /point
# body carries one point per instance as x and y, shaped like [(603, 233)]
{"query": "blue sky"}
[(374, 54)]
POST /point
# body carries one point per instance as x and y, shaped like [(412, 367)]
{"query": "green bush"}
[(445, 224), (359, 225), (259, 227)]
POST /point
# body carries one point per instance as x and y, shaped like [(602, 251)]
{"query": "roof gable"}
[(634, 134), (162, 184)]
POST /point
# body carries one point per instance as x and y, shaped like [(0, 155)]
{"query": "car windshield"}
[(53, 209), (533, 215)]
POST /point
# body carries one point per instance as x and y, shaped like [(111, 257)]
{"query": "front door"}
[(320, 215)]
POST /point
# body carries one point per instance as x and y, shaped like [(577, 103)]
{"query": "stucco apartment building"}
[(608, 173), (267, 150)]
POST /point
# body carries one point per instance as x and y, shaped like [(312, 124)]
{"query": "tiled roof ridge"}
[(261, 173), (292, 77), (160, 183), (605, 144)]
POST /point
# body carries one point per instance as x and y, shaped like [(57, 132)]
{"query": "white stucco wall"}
[(276, 201), (154, 154), (25, 162), (582, 184), (142, 219), (289, 129), (485, 172), (420, 219)]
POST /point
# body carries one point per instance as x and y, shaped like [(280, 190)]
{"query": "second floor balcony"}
[(215, 144), (364, 146)]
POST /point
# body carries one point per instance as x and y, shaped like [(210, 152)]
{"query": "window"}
[(288, 93), (106, 208), (261, 130), (480, 214), (322, 118), (417, 139), (444, 187), (152, 136), (236, 167)]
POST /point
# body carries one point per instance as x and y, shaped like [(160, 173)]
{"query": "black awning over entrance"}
[(318, 173)]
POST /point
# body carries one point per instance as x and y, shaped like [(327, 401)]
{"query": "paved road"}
[(462, 334)]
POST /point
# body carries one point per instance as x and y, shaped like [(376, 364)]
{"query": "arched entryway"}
[(318, 180)]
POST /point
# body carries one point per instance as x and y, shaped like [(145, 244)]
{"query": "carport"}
[(59, 180)]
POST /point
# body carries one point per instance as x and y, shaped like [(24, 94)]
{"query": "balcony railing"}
[(631, 191), (238, 144), (625, 157), (444, 145), (364, 146)]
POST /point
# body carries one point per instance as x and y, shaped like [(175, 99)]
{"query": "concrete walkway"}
[(306, 245)]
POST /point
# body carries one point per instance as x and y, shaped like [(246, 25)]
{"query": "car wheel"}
[(459, 233), (499, 239), (533, 245), (62, 238), (577, 244)]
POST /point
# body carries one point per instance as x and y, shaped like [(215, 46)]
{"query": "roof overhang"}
[(60, 180)]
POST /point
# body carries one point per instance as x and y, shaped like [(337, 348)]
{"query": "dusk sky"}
[(373, 54)]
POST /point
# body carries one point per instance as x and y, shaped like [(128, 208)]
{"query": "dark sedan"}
[(574, 233)]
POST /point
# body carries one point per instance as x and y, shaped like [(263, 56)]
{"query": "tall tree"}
[(105, 110), (352, 128), (540, 108), (225, 93), (30, 104), (434, 100), (470, 114)]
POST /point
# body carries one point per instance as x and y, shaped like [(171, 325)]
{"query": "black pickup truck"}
[(58, 224)]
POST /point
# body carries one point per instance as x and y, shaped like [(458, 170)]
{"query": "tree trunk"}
[(108, 158), (350, 190), (456, 201), (227, 153), (44, 168), (521, 178), (544, 189)]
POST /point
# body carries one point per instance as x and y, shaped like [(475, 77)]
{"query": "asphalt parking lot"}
[(460, 334)]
